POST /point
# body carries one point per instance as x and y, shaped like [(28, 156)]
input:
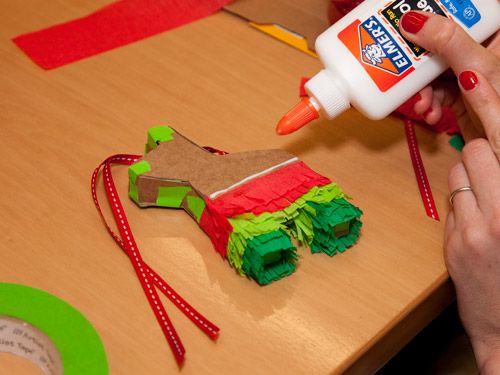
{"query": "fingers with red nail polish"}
[(413, 22), (468, 80), (484, 101)]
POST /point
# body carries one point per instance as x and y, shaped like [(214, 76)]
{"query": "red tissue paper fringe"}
[(112, 26), (271, 192), (288, 184)]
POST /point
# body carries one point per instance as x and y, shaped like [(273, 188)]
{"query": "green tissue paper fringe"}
[(327, 216), (269, 257), (309, 219)]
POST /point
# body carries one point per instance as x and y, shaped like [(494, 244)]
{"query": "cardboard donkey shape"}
[(248, 203)]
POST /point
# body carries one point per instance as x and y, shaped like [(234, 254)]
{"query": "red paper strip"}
[(216, 226), (418, 168), (115, 25), (147, 276)]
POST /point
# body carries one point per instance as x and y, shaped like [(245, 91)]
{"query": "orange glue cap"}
[(302, 114)]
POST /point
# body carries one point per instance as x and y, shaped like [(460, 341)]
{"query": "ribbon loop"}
[(146, 275)]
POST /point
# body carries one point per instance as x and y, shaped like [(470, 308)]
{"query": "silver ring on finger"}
[(459, 190)]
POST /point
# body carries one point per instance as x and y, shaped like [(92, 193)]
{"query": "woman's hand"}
[(472, 233), (449, 41)]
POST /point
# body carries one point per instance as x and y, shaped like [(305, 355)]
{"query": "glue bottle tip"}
[(300, 115)]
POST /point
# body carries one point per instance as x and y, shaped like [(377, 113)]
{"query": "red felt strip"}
[(418, 168), (115, 25), (147, 276), (269, 193)]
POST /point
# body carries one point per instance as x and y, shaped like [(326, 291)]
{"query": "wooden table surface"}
[(224, 84)]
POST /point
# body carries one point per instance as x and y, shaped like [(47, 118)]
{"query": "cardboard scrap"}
[(306, 18)]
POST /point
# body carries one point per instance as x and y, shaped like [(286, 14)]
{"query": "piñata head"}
[(248, 203)]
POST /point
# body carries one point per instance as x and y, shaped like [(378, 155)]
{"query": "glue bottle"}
[(368, 63)]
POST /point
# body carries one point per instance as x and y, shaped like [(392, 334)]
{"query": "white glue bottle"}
[(368, 63)]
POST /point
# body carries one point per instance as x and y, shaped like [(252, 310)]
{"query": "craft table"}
[(223, 84)]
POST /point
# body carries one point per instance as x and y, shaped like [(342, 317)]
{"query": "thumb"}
[(447, 39)]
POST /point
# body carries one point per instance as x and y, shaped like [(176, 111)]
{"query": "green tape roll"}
[(31, 320)]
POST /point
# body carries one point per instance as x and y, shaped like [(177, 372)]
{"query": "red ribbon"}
[(147, 276), (418, 168)]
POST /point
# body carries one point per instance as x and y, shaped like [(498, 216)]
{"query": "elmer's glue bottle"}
[(368, 63)]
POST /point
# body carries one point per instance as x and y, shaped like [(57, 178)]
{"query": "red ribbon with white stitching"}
[(418, 168), (147, 276)]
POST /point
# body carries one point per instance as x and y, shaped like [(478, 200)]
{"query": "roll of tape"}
[(49, 332)]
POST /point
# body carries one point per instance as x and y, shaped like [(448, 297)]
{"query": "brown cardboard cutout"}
[(180, 162), (307, 18)]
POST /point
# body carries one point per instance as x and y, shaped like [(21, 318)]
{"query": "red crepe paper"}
[(302, 90), (216, 226), (343, 7), (447, 124), (115, 25), (271, 192), (148, 278)]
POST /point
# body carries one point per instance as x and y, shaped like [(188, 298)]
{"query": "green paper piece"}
[(135, 170), (81, 349), (172, 196), (133, 193), (196, 205), (457, 142), (269, 257), (159, 134), (332, 217)]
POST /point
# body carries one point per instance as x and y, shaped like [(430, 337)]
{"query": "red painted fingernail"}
[(468, 80), (412, 22)]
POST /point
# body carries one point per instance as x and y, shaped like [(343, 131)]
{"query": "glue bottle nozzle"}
[(300, 115)]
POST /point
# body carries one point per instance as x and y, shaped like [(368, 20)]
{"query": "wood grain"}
[(224, 84)]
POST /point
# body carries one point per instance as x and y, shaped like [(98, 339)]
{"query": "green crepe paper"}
[(158, 134), (171, 196), (196, 205), (294, 219), (269, 257), (329, 215), (137, 169), (76, 340), (457, 142)]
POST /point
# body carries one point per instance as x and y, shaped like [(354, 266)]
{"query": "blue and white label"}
[(463, 10)]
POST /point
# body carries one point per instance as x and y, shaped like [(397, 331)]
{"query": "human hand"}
[(472, 248), (472, 233), (447, 39)]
